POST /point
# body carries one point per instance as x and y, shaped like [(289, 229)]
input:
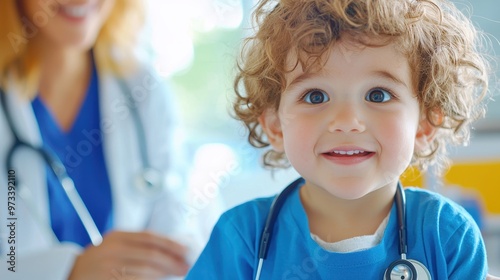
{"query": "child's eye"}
[(316, 96), (378, 96)]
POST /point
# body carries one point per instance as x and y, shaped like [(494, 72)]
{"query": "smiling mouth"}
[(77, 11), (349, 153), (348, 157)]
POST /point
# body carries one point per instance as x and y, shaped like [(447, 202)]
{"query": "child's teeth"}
[(352, 152)]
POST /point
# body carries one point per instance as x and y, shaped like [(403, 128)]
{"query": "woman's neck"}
[(64, 78), (63, 67), (334, 219)]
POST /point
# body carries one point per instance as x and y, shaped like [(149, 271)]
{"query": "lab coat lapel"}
[(31, 174), (121, 152)]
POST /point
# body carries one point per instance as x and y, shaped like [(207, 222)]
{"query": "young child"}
[(350, 93)]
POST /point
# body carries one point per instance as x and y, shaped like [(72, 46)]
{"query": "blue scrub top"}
[(80, 150)]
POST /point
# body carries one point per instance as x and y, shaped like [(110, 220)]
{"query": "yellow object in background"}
[(481, 177), (412, 178)]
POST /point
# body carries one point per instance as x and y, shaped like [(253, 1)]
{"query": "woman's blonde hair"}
[(19, 54), (441, 44)]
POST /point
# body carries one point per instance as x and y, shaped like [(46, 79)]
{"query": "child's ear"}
[(426, 132), (271, 125)]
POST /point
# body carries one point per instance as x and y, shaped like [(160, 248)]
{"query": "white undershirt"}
[(354, 244)]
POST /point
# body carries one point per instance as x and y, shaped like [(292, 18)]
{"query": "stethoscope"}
[(148, 181), (402, 269)]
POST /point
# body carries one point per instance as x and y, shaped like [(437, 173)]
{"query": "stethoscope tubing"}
[(141, 134), (59, 171), (280, 199), (150, 178)]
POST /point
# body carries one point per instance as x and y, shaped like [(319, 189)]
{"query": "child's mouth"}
[(348, 157), (348, 153)]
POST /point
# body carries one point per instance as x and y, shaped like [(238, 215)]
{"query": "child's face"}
[(350, 128)]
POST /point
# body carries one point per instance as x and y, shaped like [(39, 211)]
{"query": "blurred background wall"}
[(194, 44)]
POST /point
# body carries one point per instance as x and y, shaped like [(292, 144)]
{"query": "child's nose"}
[(346, 118)]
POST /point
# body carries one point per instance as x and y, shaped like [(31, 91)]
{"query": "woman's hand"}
[(143, 255)]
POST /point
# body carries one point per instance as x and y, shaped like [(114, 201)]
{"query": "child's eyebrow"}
[(386, 75), (300, 78), (378, 73)]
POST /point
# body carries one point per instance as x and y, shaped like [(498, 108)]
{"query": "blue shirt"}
[(441, 235), (80, 150)]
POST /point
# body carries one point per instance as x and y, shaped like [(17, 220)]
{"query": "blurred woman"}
[(74, 89)]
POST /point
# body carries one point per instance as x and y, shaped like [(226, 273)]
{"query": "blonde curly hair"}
[(440, 42), (19, 56)]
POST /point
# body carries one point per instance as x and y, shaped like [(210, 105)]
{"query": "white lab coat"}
[(37, 254)]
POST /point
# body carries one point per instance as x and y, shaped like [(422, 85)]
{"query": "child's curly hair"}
[(441, 44)]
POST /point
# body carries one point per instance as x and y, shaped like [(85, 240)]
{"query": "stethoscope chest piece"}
[(149, 182), (407, 270)]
